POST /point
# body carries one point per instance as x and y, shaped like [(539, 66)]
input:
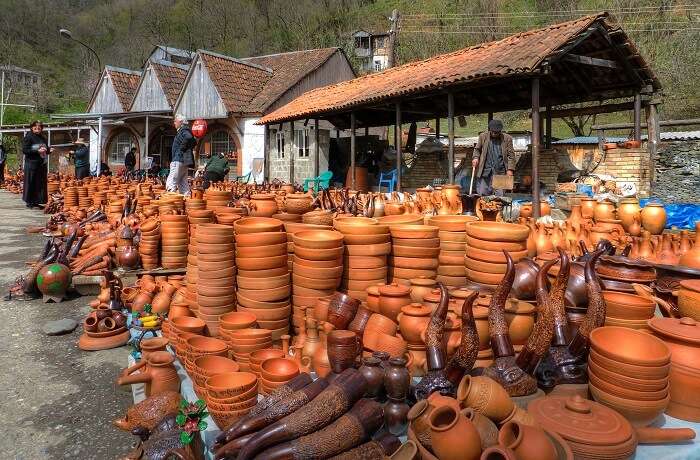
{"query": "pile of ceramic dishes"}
[(208, 366), (230, 396), (216, 274), (452, 237), (257, 357), (199, 345), (484, 260), (174, 240), (217, 198), (227, 216), (243, 342), (194, 216), (177, 329), (264, 285), (149, 244), (367, 245), (84, 201), (194, 204), (70, 197), (627, 310), (275, 372), (414, 252), (628, 370)]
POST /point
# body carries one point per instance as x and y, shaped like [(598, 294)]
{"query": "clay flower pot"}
[(453, 437)]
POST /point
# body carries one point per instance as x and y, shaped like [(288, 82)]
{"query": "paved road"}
[(56, 400)]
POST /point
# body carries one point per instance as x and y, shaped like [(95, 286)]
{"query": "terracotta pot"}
[(262, 205), (392, 297), (230, 384), (298, 203), (420, 287), (628, 306), (341, 310), (413, 319), (604, 210), (486, 396), (627, 210), (689, 299), (654, 218), (418, 417), (279, 369), (453, 436), (588, 207), (528, 442), (157, 372)]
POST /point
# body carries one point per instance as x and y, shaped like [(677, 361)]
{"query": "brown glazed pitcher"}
[(156, 371)]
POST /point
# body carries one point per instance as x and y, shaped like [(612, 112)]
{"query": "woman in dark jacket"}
[(36, 149), (81, 157)]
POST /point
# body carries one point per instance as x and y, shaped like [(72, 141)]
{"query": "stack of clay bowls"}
[(257, 358), (199, 345), (179, 327), (208, 366), (264, 285), (195, 204), (227, 216), (484, 261), (627, 310), (230, 396), (628, 370), (174, 240), (367, 245), (216, 274), (414, 252), (243, 342), (452, 237), (149, 244), (217, 198), (84, 201), (194, 216), (275, 372), (317, 268), (70, 197), (293, 227)]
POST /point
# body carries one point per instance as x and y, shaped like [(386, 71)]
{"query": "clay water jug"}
[(666, 255), (557, 237), (156, 371), (635, 228), (542, 241), (453, 436), (321, 364), (646, 249), (654, 218), (312, 342), (627, 210)]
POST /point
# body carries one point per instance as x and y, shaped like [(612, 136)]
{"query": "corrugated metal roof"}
[(588, 140), (680, 136)]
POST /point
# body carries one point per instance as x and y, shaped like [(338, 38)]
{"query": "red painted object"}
[(199, 128)]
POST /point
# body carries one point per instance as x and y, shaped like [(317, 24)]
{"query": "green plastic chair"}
[(323, 181), (244, 178)]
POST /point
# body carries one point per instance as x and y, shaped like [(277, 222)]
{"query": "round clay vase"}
[(528, 442), (420, 287), (395, 416), (392, 297), (373, 372), (627, 210), (588, 207), (397, 379), (486, 396), (604, 210), (418, 418), (128, 257), (262, 205), (654, 218), (413, 319), (453, 436)]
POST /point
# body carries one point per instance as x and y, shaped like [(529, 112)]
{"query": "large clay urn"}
[(691, 258), (413, 319), (627, 210), (654, 218), (604, 210), (298, 203), (588, 207), (262, 205), (392, 297), (453, 436), (156, 371)]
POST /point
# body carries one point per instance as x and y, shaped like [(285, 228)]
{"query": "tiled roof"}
[(521, 53), (171, 78), (125, 83)]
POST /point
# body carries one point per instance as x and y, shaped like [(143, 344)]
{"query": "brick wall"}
[(425, 168), (677, 178)]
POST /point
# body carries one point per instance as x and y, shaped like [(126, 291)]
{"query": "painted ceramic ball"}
[(53, 280)]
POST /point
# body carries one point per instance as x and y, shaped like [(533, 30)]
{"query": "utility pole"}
[(393, 33)]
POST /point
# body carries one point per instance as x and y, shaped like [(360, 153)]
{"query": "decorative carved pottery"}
[(453, 436), (689, 299), (486, 396), (488, 432), (654, 218), (147, 413), (342, 309), (342, 347)]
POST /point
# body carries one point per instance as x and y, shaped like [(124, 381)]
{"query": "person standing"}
[(130, 160), (3, 160), (493, 154), (181, 157), (216, 169), (81, 159), (36, 149)]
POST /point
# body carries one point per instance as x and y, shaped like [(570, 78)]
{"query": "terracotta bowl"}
[(624, 392), (236, 320), (224, 419), (626, 381), (214, 229), (413, 231), (252, 303), (188, 324), (269, 386), (206, 248), (217, 291), (493, 257), (230, 384), (629, 346), (486, 267), (639, 413), (378, 341), (243, 405), (498, 231), (210, 365), (304, 301), (366, 239), (416, 263), (214, 238), (226, 281), (630, 370), (409, 251), (173, 218), (299, 290), (628, 306), (259, 239), (267, 273), (214, 313), (361, 262), (210, 301), (451, 223), (261, 263), (250, 348), (317, 263), (484, 278), (249, 333), (230, 255), (248, 341), (318, 272), (368, 249), (257, 225), (251, 393), (366, 274), (279, 369), (268, 314), (408, 273), (382, 324), (263, 283), (455, 237), (495, 246), (206, 345), (267, 295), (358, 286), (319, 254), (417, 242), (318, 239), (274, 325), (452, 246), (257, 357), (262, 250), (315, 283), (630, 323)]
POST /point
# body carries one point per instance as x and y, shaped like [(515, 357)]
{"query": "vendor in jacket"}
[(81, 158), (493, 154), (181, 157), (35, 149), (216, 169)]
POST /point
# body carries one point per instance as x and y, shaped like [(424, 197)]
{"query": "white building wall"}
[(253, 147)]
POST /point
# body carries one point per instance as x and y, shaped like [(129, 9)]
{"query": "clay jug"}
[(666, 255), (646, 249), (413, 319), (161, 301), (654, 218), (128, 257), (391, 298), (418, 417), (312, 342), (397, 379), (486, 396), (417, 361), (542, 241), (575, 219), (627, 210), (321, 363), (691, 258), (157, 372), (302, 361), (528, 442), (635, 228), (488, 432), (453, 436), (557, 237), (141, 299), (451, 193)]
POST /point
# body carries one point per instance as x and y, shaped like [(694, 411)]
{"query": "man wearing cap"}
[(493, 154)]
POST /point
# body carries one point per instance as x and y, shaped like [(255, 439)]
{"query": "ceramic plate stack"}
[(264, 284), (216, 274), (317, 269), (414, 252), (217, 198), (149, 243), (243, 342), (628, 370), (367, 246), (99, 197), (627, 310), (84, 200), (230, 396), (174, 241), (452, 236), (291, 228), (70, 197), (227, 216), (484, 261), (275, 372)]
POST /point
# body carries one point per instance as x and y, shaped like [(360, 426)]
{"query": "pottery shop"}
[(285, 320)]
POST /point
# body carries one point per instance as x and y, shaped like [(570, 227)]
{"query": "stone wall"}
[(677, 177)]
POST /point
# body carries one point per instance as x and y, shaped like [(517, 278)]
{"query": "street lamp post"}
[(68, 35)]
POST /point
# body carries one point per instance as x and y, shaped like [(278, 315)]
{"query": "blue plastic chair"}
[(389, 179), (323, 181)]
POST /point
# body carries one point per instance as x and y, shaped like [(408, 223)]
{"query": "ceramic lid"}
[(416, 309), (432, 297), (685, 329), (519, 307), (580, 420), (461, 293), (394, 290), (691, 285)]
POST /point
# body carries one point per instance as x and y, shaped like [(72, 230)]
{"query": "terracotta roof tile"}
[(125, 84), (519, 53), (171, 78)]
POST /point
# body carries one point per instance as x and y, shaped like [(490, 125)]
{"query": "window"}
[(362, 42), (377, 65), (379, 42), (279, 142), (219, 141), (302, 142), (120, 145)]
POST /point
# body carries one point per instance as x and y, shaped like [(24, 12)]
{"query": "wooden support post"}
[(450, 138), (654, 138), (317, 149), (291, 153), (535, 147), (266, 152), (637, 117), (437, 128), (352, 150), (548, 128), (145, 145), (398, 134)]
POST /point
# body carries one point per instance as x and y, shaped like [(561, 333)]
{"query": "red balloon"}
[(199, 128)]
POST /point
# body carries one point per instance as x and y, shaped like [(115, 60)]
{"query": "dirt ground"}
[(56, 400)]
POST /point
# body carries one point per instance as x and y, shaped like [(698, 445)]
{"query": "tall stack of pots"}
[(264, 285), (367, 245), (149, 243), (216, 274), (452, 235), (216, 198), (174, 240), (414, 252), (484, 261)]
